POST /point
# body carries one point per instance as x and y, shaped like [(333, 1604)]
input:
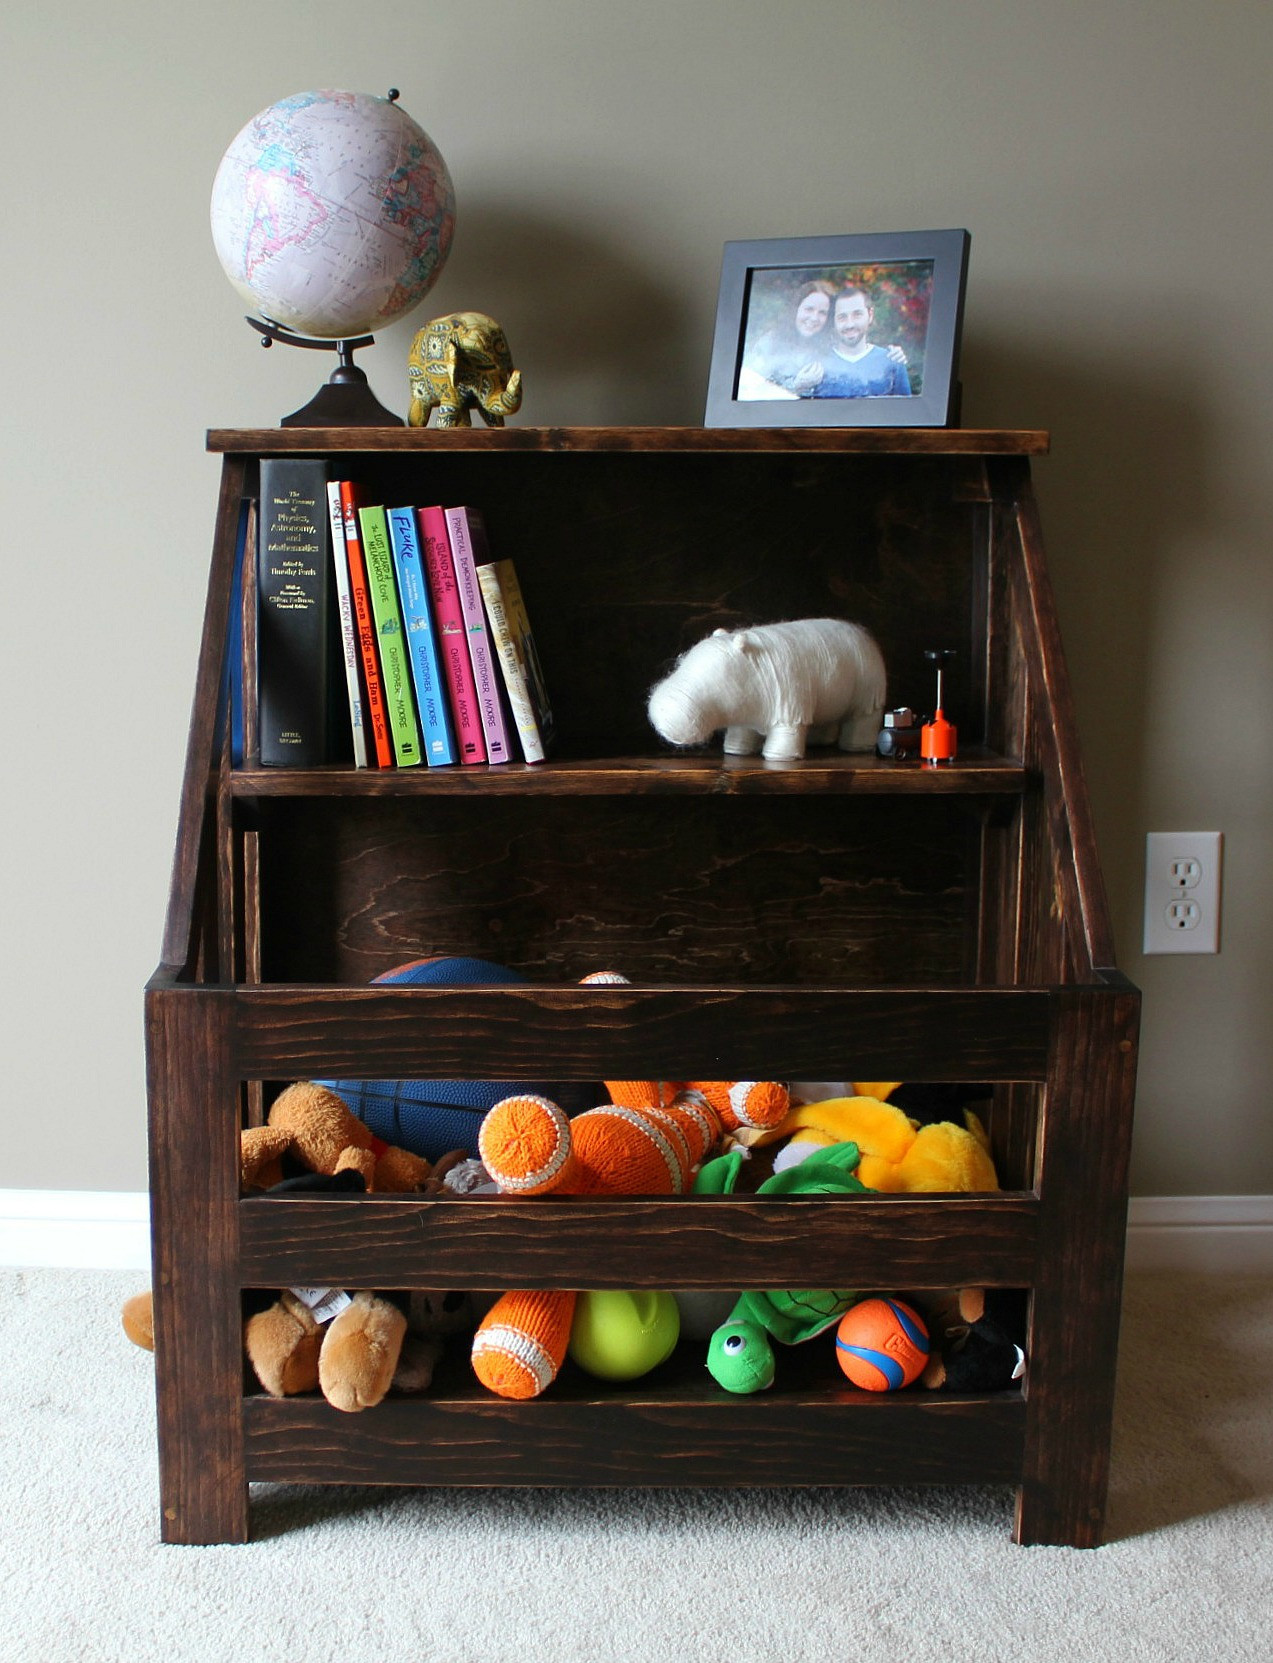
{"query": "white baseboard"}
[(75, 1229), (1229, 1235), (110, 1230)]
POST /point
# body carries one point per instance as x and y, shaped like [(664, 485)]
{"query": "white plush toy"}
[(814, 680)]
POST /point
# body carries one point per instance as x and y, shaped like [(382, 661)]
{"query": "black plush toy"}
[(976, 1334)]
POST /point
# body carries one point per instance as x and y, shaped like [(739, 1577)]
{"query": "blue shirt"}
[(873, 375)]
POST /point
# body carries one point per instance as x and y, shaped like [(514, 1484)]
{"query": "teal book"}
[(422, 643), (387, 615)]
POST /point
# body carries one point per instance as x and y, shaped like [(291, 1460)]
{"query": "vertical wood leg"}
[(1084, 1146), (194, 1164)]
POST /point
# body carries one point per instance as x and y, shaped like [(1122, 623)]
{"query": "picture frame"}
[(888, 309)]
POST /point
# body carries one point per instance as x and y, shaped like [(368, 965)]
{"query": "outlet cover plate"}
[(1182, 892)]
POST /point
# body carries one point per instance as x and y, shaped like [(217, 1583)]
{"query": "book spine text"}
[(375, 714), (510, 663), (292, 622)]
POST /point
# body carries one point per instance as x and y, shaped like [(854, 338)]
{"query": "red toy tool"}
[(939, 739)]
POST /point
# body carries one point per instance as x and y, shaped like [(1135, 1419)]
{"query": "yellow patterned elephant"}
[(460, 363)]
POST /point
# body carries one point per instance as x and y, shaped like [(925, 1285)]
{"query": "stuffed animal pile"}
[(352, 1348), (652, 1137)]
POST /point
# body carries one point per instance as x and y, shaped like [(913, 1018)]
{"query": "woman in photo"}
[(787, 362)]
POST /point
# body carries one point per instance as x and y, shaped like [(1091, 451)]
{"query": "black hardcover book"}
[(294, 622)]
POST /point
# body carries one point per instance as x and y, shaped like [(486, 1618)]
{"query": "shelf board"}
[(976, 773), (675, 1425), (642, 1435), (863, 441), (701, 1241)]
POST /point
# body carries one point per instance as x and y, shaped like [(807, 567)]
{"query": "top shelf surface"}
[(812, 441)]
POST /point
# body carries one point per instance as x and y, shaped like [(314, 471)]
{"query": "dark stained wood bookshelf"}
[(839, 916)]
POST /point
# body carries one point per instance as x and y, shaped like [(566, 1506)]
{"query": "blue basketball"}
[(431, 1117)]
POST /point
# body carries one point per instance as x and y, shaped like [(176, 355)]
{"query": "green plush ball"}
[(621, 1336)]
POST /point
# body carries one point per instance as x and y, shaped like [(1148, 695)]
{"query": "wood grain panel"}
[(194, 1138), (641, 1033), (1081, 885), (805, 1441), (1084, 1154), (191, 899), (978, 773), (795, 890), (621, 1242)]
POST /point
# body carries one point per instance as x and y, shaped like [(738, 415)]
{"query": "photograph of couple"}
[(837, 332)]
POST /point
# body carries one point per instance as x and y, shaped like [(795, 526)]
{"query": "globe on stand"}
[(332, 214)]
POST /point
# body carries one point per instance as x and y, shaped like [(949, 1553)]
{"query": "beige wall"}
[(1112, 165)]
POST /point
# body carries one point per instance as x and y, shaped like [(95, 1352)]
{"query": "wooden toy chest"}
[(839, 917)]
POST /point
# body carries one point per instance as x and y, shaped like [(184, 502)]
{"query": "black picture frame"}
[(920, 275)]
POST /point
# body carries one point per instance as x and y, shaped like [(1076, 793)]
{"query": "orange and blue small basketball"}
[(882, 1345)]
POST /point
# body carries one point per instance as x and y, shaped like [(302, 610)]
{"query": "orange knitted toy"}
[(738, 1104), (529, 1147), (521, 1342), (650, 1139)]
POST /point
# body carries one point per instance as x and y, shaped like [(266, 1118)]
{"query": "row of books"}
[(404, 610)]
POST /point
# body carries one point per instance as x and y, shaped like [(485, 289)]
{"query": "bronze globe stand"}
[(346, 400)]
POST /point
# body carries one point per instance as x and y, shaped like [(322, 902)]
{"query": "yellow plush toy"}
[(898, 1156)]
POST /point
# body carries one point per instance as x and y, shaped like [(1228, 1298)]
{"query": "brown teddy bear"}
[(351, 1347), (315, 1125)]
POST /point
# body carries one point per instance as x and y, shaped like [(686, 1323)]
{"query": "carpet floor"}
[(713, 1576)]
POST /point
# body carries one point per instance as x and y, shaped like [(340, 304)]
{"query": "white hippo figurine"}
[(811, 681)]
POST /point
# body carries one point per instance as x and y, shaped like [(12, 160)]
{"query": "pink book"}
[(444, 592), (469, 550)]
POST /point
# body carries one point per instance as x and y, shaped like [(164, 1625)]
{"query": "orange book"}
[(366, 627)]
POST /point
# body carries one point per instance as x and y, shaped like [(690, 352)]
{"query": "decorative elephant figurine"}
[(460, 363), (814, 680)]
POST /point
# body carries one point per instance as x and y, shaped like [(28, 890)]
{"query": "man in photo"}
[(853, 367)]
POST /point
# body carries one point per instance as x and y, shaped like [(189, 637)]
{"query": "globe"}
[(332, 213)]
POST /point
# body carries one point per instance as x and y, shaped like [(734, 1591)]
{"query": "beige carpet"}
[(709, 1576)]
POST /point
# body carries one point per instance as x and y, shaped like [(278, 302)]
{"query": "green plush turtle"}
[(739, 1355)]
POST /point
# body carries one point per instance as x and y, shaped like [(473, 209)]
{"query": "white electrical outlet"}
[(1182, 892)]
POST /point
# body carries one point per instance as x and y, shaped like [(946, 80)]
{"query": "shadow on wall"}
[(1131, 491), (1129, 474), (600, 339)]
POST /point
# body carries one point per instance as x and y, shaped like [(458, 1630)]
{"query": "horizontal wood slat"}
[(911, 441), (578, 1033), (654, 1242), (848, 1438)]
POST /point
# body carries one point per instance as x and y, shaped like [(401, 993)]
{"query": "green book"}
[(385, 611)]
